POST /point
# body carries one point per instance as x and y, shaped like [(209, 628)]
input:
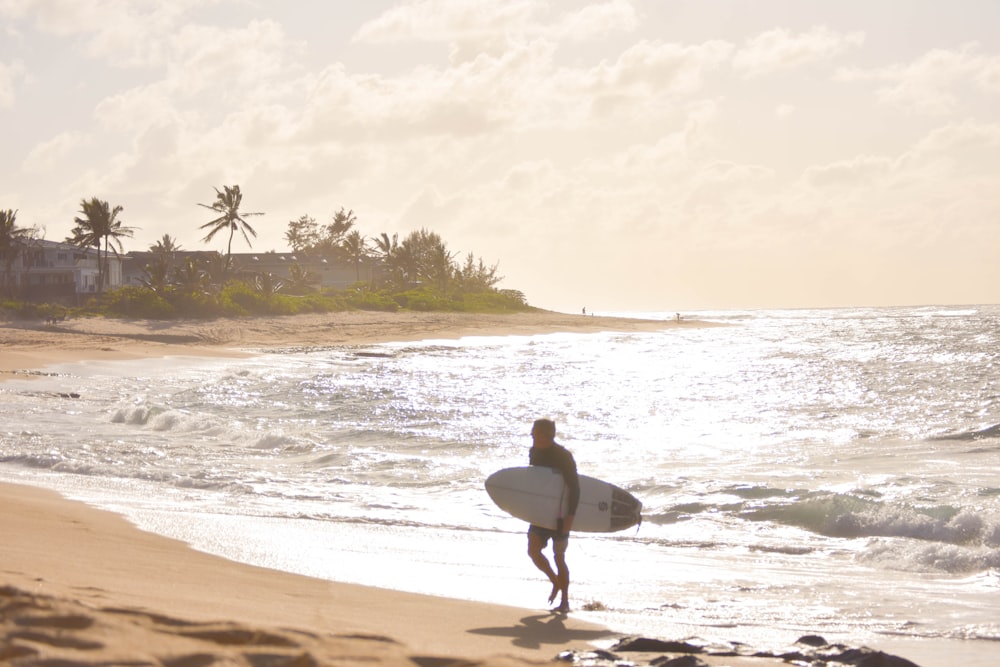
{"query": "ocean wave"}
[(162, 419), (849, 516), (134, 415), (285, 443), (977, 434), (923, 557)]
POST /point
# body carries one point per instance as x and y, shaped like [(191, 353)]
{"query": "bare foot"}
[(555, 591)]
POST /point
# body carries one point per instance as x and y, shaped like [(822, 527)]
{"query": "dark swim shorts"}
[(547, 534)]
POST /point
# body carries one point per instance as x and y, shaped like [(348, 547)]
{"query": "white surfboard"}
[(536, 495)]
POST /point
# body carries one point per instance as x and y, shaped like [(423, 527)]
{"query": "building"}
[(50, 271), (54, 272), (326, 272)]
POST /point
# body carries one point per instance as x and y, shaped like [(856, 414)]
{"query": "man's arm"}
[(572, 480)]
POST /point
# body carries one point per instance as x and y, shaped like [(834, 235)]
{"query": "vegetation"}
[(13, 242), (417, 273), (100, 228), (227, 204)]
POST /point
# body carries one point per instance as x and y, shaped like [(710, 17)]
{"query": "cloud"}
[(54, 152), (10, 74), (779, 49), (462, 100), (597, 20), (933, 83), (122, 33), (862, 171), (482, 20), (646, 81), (448, 20), (964, 152), (242, 64)]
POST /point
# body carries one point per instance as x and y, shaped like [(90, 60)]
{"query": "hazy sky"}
[(614, 154)]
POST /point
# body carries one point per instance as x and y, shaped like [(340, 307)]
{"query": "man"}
[(546, 452)]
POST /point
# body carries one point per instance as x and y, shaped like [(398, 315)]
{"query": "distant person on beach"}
[(545, 451), (584, 310)]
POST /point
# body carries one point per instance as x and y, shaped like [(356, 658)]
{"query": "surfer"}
[(545, 451)]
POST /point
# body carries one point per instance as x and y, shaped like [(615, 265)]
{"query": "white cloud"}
[(239, 64), (988, 77), (485, 20), (863, 171), (597, 20), (779, 49), (448, 20), (10, 74), (122, 33), (959, 138), (54, 152), (645, 81), (932, 84)]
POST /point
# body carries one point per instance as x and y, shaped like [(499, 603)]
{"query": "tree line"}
[(418, 271)]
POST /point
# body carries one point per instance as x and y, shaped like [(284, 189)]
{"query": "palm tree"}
[(423, 256), (387, 249), (165, 246), (356, 247), (13, 240), (299, 279), (217, 267), (99, 228), (190, 278), (330, 240), (227, 204), (156, 274), (268, 284)]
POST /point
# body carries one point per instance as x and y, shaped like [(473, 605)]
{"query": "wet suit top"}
[(557, 456)]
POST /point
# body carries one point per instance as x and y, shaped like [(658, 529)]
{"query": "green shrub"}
[(239, 299), (507, 301), (372, 301), (137, 302), (26, 310), (425, 299)]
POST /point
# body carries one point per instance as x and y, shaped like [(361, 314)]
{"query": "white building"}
[(58, 272)]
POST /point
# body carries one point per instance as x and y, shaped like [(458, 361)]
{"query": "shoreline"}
[(96, 577), (83, 584), (30, 345)]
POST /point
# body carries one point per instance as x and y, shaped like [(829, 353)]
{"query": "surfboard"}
[(535, 494)]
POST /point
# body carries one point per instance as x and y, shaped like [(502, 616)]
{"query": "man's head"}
[(543, 432)]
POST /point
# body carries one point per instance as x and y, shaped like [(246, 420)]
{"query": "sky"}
[(618, 155)]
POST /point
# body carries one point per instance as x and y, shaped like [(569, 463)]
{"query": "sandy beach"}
[(82, 586), (26, 345)]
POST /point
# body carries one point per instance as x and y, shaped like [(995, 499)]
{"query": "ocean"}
[(832, 472)]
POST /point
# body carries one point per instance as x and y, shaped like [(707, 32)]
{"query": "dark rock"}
[(604, 655), (812, 640), (588, 657), (866, 657), (682, 661), (647, 645), (790, 656)]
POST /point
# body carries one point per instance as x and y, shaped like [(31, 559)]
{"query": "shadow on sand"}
[(536, 631)]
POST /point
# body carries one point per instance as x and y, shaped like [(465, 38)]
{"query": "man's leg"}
[(559, 545), (535, 545)]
